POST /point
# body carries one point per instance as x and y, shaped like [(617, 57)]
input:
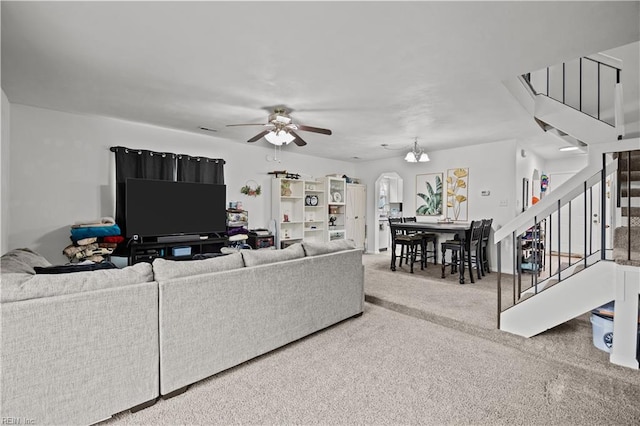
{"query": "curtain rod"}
[(139, 151)]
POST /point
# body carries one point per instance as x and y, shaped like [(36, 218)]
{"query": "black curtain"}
[(142, 164), (200, 169)]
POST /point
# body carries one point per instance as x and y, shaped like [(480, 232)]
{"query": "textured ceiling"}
[(373, 72)]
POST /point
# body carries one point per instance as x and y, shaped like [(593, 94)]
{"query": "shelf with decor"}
[(287, 210), (336, 208), (314, 211), (532, 249)]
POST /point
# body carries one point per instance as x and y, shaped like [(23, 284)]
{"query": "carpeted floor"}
[(426, 351)]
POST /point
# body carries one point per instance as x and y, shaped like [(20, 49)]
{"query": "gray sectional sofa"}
[(79, 347)]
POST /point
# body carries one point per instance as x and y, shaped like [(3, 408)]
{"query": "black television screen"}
[(160, 208)]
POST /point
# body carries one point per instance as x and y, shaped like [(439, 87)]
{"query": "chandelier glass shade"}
[(279, 137), (416, 155)]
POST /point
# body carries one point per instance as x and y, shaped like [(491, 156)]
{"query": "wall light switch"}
[(485, 193)]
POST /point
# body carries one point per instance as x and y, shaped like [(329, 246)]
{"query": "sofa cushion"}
[(261, 257), (22, 286), (314, 249), (164, 270), (22, 260)]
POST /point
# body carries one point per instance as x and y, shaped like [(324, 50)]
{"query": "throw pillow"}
[(167, 269), (22, 260), (315, 249), (261, 257)]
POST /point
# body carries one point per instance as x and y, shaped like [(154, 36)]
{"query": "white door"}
[(573, 235), (355, 214)]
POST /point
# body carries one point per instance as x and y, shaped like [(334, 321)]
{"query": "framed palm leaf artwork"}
[(457, 193), (429, 195)]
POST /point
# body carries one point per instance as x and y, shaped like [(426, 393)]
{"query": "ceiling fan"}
[(280, 130)]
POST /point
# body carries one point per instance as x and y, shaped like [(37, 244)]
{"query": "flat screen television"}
[(156, 208)]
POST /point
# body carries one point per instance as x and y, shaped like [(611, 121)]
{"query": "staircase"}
[(626, 246), (596, 273)]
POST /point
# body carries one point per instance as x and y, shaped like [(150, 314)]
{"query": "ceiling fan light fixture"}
[(416, 155), (279, 137)]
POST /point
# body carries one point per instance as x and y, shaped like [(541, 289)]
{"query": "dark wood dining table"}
[(461, 229)]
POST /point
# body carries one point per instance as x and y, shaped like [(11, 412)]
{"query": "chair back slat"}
[(476, 231), (394, 230), (486, 229)]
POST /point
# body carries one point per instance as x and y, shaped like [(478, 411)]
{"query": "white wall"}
[(491, 167), (62, 171), (4, 174)]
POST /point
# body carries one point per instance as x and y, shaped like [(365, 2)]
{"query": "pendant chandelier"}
[(416, 155)]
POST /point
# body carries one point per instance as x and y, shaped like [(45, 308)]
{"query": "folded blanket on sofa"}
[(65, 269), (94, 231), (104, 221)]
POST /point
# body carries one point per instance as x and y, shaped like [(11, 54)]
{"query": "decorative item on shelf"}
[(334, 209), (311, 200), (337, 197), (285, 188), (251, 188), (332, 220), (457, 189), (286, 218), (235, 206)]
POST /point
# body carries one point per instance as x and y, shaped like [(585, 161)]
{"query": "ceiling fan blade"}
[(314, 129), (250, 124), (258, 136), (298, 140)]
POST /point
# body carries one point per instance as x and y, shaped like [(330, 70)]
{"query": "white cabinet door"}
[(355, 214)]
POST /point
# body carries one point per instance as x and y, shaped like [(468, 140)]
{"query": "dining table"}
[(459, 229)]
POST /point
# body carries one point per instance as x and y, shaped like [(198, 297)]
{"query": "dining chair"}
[(484, 243), (464, 252), (427, 238), (411, 242)]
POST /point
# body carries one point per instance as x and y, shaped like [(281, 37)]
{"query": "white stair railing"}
[(568, 226)]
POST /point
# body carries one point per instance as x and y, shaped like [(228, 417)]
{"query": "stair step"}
[(635, 192), (635, 175), (635, 160), (635, 211), (620, 240), (635, 164), (635, 202), (621, 237)]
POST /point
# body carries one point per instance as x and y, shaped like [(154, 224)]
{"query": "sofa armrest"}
[(79, 358)]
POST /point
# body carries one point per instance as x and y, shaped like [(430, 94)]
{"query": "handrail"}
[(600, 60), (566, 192), (549, 201), (538, 233)]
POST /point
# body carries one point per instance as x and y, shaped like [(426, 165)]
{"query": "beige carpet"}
[(431, 356)]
